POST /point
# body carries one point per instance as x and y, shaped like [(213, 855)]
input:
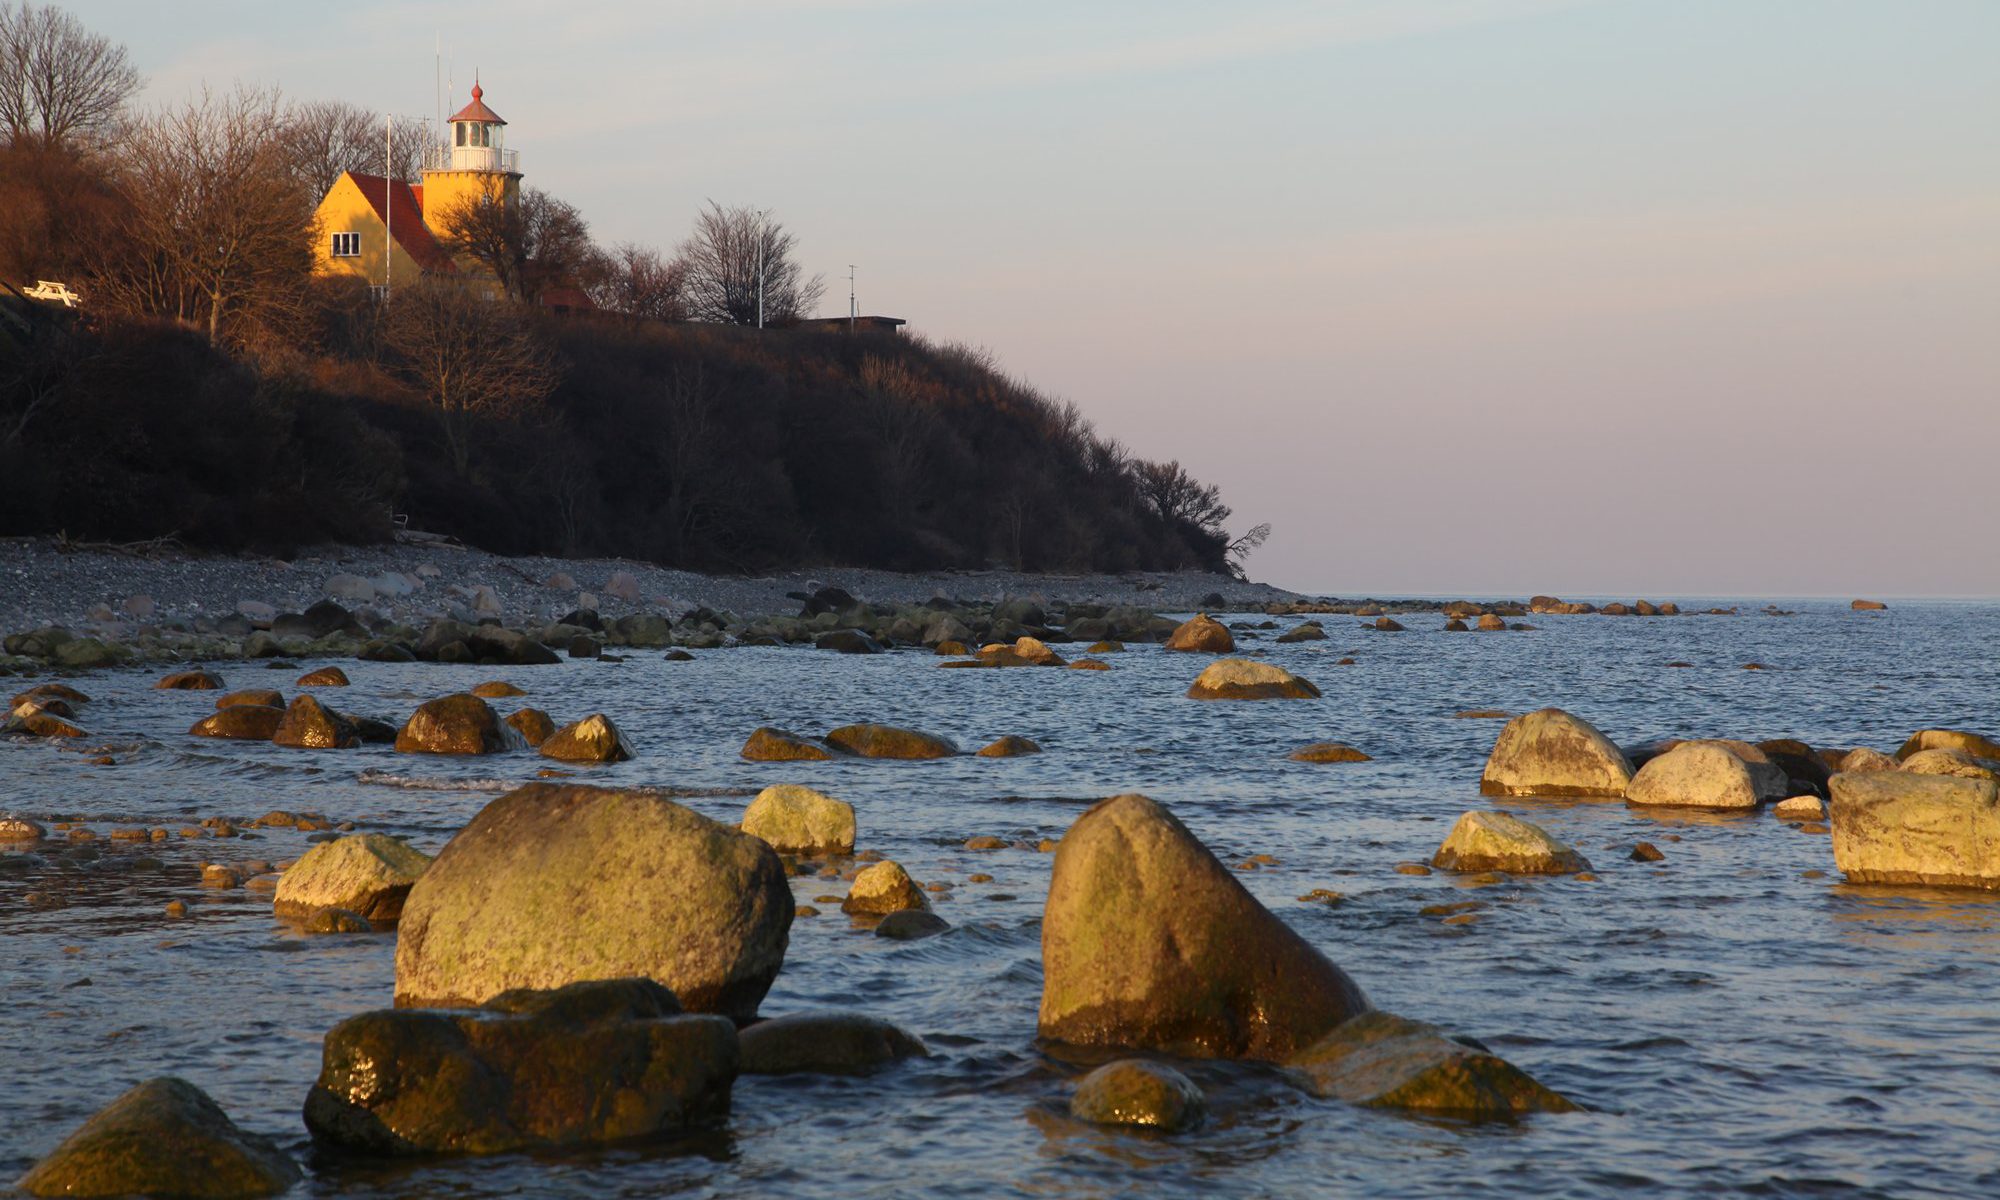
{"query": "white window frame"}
[(346, 245)]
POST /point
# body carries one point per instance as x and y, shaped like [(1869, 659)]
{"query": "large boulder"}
[(310, 725), (1202, 634), (1149, 942), (245, 722), (1905, 827), (592, 740), (1974, 744), (1699, 775), (1386, 1061), (370, 874), (165, 1137), (549, 885), (1491, 841), (456, 724), (1241, 679), (887, 741), (766, 744), (600, 1061), (1133, 1091), (1551, 753), (826, 1043), (799, 820)]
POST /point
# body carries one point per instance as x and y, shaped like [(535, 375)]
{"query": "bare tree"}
[(640, 282), (470, 359), (731, 252), (219, 232), (1179, 497), (1240, 549), (326, 137), (533, 244), (58, 80)]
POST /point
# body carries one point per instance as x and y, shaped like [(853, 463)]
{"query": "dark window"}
[(460, 127)]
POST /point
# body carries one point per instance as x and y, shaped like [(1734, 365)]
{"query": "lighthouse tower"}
[(472, 165)]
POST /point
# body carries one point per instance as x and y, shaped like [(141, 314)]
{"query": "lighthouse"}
[(471, 165)]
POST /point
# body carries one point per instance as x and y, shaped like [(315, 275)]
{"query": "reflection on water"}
[(1736, 1022)]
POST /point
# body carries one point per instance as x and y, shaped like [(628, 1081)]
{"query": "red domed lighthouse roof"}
[(477, 110)]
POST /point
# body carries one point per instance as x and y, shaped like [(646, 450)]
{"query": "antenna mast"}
[(851, 310)]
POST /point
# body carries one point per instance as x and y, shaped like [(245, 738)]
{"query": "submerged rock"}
[(1386, 1061), (799, 820), (243, 722), (592, 740), (883, 888), (766, 744), (1328, 752), (887, 741), (165, 1137), (456, 724), (1134, 1091), (1010, 746), (1309, 631), (1491, 841), (369, 874), (191, 681), (310, 725), (1551, 753), (497, 689), (1202, 634), (826, 1043), (1241, 679), (600, 1061), (1148, 941), (1904, 827), (910, 925), (1696, 775), (551, 884), (324, 677)]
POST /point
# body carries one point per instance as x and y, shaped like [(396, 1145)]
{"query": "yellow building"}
[(386, 232)]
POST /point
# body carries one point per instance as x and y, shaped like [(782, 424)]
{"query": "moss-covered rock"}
[(1134, 1091), (1549, 752), (600, 1061), (165, 1137), (799, 820), (551, 884), (369, 873), (1386, 1061), (1149, 942)]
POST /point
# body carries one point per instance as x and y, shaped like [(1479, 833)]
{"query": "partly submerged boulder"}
[(456, 724), (164, 1137), (592, 740), (191, 681), (532, 724), (826, 1043), (1974, 744), (883, 888), (1328, 752), (1551, 753), (799, 820), (887, 741), (268, 697), (1491, 841), (1697, 775), (370, 874), (310, 725), (1202, 634), (1134, 1091), (1951, 762), (1386, 1061), (600, 1061), (1010, 746), (766, 744), (324, 677), (549, 885), (1149, 942), (1906, 827), (1241, 679), (245, 722)]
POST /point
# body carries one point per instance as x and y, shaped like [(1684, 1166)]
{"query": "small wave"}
[(417, 783)]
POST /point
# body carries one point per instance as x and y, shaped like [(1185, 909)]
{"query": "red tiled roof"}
[(405, 221), (477, 110)]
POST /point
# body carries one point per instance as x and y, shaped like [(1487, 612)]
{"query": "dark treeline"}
[(213, 389)]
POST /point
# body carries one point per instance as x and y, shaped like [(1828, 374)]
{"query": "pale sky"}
[(1660, 297)]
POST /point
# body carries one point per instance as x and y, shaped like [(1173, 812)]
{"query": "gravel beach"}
[(45, 583)]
